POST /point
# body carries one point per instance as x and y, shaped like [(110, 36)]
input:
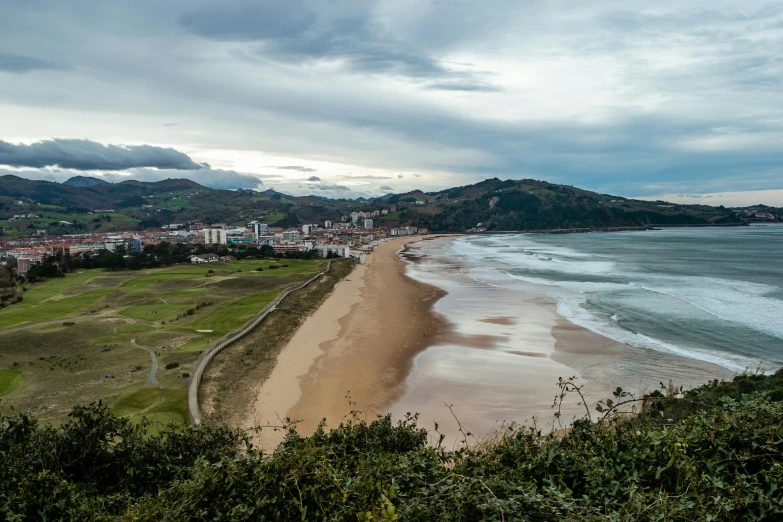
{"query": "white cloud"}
[(729, 199)]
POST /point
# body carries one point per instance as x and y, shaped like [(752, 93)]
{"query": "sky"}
[(670, 99)]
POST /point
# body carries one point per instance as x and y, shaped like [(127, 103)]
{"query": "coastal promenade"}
[(194, 410)]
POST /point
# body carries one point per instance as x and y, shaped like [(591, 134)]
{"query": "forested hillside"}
[(28, 207)]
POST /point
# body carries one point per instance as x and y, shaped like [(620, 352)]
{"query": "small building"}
[(23, 264), (204, 258)]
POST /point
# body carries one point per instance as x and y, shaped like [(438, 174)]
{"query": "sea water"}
[(713, 293)]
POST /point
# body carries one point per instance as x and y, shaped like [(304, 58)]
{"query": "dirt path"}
[(154, 370)]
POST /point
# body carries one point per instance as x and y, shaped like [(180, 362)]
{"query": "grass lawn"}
[(56, 286), (154, 312), (26, 312), (159, 406), (9, 380), (273, 217), (93, 358)]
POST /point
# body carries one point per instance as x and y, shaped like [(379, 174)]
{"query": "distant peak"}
[(83, 181)]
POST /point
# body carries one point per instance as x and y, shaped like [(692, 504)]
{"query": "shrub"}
[(722, 461)]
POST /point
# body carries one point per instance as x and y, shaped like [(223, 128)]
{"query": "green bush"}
[(721, 461)]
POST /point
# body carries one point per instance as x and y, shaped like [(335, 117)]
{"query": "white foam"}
[(555, 271)]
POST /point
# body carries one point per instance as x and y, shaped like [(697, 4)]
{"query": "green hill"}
[(496, 205)]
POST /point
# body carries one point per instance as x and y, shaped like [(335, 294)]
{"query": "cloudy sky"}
[(347, 98)]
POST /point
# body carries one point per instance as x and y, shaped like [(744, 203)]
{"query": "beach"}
[(354, 352), (411, 332)]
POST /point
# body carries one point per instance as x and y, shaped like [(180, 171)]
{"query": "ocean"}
[(684, 305), (714, 294)]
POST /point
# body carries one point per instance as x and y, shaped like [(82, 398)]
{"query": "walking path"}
[(151, 380)]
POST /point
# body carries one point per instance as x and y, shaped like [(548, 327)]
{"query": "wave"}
[(571, 277)]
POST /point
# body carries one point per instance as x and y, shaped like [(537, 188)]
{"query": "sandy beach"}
[(358, 344)]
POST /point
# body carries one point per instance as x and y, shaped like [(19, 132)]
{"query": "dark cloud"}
[(400, 176), (464, 86), (248, 20), (213, 178), (313, 178), (90, 155), (417, 175), (386, 188), (297, 32), (297, 168), (330, 187), (12, 63)]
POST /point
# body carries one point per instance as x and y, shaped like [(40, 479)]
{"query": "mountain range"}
[(492, 204)]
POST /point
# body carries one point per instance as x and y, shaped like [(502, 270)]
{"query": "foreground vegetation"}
[(719, 458)]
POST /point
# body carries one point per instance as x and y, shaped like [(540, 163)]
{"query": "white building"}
[(307, 229), (214, 236), (260, 229), (368, 224), (204, 258), (340, 250), (291, 236), (354, 217), (327, 224), (236, 231)]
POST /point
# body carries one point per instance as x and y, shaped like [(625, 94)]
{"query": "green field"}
[(27, 226), (273, 217), (9, 380), (69, 341), (394, 216)]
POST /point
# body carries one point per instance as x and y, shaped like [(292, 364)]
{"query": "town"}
[(353, 236)]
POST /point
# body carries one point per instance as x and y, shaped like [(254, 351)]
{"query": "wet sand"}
[(637, 370), (504, 350)]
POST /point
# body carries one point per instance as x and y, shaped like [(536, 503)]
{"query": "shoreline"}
[(366, 349), (354, 353), (506, 349)]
